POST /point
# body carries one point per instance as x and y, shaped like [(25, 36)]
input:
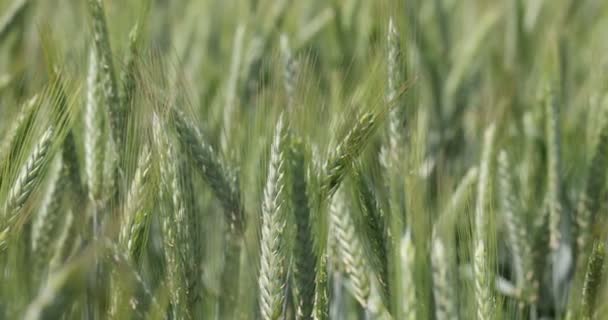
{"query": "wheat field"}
[(318, 159)]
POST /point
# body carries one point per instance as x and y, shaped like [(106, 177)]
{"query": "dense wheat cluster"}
[(319, 159)]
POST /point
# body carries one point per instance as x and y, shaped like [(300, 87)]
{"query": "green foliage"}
[(275, 159)]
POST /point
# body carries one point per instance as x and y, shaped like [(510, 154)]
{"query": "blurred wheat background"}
[(279, 159)]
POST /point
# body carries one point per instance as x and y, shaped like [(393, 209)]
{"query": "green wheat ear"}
[(219, 178), (341, 159), (351, 254), (391, 153), (105, 65), (47, 219), (304, 258), (172, 220), (95, 131), (17, 129), (481, 265), (133, 233), (27, 180), (518, 232), (273, 269), (593, 280)]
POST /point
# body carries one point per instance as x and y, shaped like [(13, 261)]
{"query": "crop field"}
[(313, 159)]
